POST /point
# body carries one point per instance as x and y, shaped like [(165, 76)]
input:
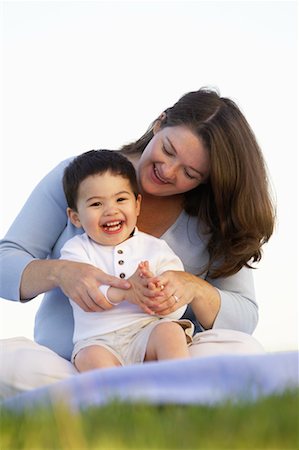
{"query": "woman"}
[(205, 192)]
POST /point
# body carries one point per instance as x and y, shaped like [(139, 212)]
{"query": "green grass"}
[(270, 423)]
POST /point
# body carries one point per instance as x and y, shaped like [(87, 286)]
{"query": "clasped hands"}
[(154, 294)]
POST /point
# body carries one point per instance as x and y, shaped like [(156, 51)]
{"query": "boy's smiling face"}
[(106, 209)]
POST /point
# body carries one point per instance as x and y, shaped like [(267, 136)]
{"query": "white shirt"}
[(120, 261)]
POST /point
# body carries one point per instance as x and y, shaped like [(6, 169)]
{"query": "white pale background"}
[(86, 75)]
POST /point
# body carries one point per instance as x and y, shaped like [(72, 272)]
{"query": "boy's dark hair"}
[(96, 162)]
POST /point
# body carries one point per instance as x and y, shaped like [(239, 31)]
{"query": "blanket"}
[(204, 380)]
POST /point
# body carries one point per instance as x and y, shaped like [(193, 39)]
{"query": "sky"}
[(85, 75)]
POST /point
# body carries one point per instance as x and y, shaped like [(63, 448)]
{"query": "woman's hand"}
[(178, 288), (81, 281), (172, 289)]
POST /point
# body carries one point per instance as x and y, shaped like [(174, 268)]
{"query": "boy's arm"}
[(113, 295)]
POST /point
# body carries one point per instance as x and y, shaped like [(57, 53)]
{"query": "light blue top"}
[(41, 229)]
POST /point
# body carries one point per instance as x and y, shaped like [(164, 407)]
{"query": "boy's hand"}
[(144, 272)]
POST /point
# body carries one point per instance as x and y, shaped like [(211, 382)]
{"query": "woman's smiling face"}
[(173, 162)]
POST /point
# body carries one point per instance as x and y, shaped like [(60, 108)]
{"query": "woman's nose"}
[(170, 170)]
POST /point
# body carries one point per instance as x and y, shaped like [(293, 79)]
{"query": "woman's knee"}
[(26, 365), (222, 341)]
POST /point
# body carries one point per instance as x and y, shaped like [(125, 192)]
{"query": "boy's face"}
[(106, 209)]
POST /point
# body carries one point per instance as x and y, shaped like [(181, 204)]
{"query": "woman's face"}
[(173, 162)]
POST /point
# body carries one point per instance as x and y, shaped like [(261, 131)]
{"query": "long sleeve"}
[(238, 310)]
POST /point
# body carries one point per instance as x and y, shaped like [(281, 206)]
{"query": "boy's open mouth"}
[(113, 226)]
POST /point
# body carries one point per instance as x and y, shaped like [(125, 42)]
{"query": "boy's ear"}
[(74, 217)]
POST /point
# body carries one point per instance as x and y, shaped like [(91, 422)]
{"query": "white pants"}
[(26, 365)]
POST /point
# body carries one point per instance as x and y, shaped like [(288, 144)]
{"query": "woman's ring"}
[(176, 298)]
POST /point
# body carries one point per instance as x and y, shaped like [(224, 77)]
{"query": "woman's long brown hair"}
[(235, 203)]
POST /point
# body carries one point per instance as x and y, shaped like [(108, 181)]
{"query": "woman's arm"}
[(239, 309)]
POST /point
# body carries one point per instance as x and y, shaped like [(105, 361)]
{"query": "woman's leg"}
[(219, 342), (26, 365)]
